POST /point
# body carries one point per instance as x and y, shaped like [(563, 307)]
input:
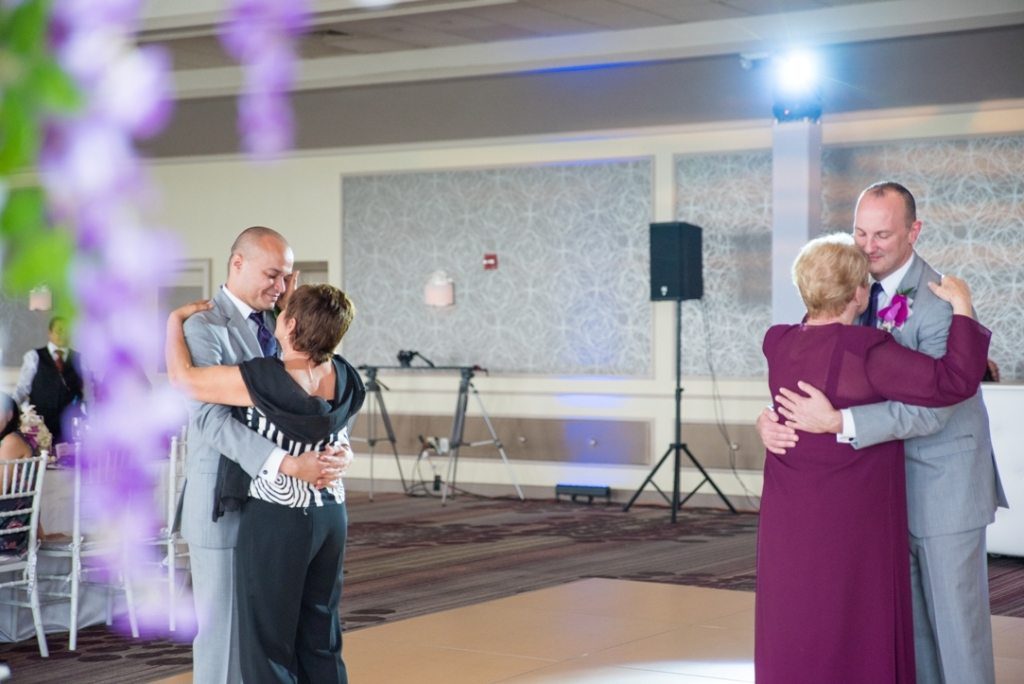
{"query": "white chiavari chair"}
[(21, 485), (88, 545), (175, 552)]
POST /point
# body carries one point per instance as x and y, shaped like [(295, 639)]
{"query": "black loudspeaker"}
[(676, 262)]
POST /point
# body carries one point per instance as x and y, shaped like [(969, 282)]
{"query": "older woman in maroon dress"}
[(833, 576)]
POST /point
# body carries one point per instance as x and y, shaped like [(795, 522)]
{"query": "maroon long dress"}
[(833, 573)]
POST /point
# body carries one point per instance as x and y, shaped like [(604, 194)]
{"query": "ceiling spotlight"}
[(796, 72), (797, 86)]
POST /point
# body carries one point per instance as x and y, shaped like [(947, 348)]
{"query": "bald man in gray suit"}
[(953, 487), (238, 328)]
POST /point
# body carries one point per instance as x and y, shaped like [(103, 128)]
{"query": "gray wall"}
[(20, 329)]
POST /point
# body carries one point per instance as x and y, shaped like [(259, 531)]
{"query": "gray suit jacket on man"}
[(218, 336), (952, 481)]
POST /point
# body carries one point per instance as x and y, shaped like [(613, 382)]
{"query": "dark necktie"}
[(870, 316), (266, 338), (58, 360)]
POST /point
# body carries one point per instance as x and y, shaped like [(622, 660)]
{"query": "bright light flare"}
[(796, 72)]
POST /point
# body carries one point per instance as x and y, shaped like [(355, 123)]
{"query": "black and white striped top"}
[(288, 416), (285, 490)]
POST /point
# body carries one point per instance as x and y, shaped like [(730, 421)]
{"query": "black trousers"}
[(288, 572)]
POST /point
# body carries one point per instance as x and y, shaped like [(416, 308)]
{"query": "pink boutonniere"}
[(896, 314)]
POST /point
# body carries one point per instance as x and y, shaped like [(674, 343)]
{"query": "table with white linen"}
[(56, 515)]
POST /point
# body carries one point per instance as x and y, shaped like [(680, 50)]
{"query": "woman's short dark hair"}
[(322, 314), (7, 403)]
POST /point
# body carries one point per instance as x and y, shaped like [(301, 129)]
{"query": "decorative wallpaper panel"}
[(730, 197), (571, 291), (970, 199), (570, 294)]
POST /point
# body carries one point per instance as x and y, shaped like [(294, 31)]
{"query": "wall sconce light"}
[(439, 290), (40, 299)]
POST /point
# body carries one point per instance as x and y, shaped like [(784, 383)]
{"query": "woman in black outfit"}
[(291, 542), (13, 447)]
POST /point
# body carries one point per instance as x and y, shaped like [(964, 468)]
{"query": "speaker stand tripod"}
[(375, 404), (677, 447)]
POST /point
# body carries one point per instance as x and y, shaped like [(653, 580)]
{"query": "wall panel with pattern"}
[(570, 294), (970, 198), (970, 195)]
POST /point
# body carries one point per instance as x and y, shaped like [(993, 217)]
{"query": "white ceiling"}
[(358, 42), (433, 70), (425, 24)]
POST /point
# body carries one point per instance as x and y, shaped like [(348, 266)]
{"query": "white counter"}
[(1006, 413)]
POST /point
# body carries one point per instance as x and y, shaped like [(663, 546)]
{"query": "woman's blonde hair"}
[(827, 272)]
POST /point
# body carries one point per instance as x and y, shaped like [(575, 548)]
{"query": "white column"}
[(796, 208)]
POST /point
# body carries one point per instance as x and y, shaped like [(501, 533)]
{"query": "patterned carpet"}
[(411, 556)]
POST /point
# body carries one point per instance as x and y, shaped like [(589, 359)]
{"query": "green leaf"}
[(24, 215), (19, 133), (44, 260), (12, 68), (55, 89), (24, 31)]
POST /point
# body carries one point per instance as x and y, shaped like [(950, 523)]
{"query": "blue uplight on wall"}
[(580, 67), (591, 401)]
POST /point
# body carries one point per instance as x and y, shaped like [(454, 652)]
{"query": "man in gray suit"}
[(953, 487), (238, 328)]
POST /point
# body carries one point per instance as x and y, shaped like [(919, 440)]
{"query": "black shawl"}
[(300, 417)]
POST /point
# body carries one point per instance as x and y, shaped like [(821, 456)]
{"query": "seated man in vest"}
[(51, 379)]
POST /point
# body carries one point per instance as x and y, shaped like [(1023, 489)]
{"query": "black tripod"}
[(374, 399), (458, 429), (677, 446)]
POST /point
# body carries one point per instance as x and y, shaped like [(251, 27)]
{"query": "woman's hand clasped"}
[(334, 461)]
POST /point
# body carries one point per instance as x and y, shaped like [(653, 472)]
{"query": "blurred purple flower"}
[(265, 121), (96, 184), (85, 161), (262, 35), (85, 53), (254, 25), (121, 16), (272, 71), (135, 91)]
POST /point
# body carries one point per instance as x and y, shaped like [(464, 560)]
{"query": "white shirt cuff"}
[(272, 465), (849, 433)]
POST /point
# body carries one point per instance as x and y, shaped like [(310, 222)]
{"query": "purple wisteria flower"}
[(97, 186), (262, 36)]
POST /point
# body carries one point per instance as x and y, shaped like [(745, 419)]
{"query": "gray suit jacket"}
[(218, 336), (952, 481)]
